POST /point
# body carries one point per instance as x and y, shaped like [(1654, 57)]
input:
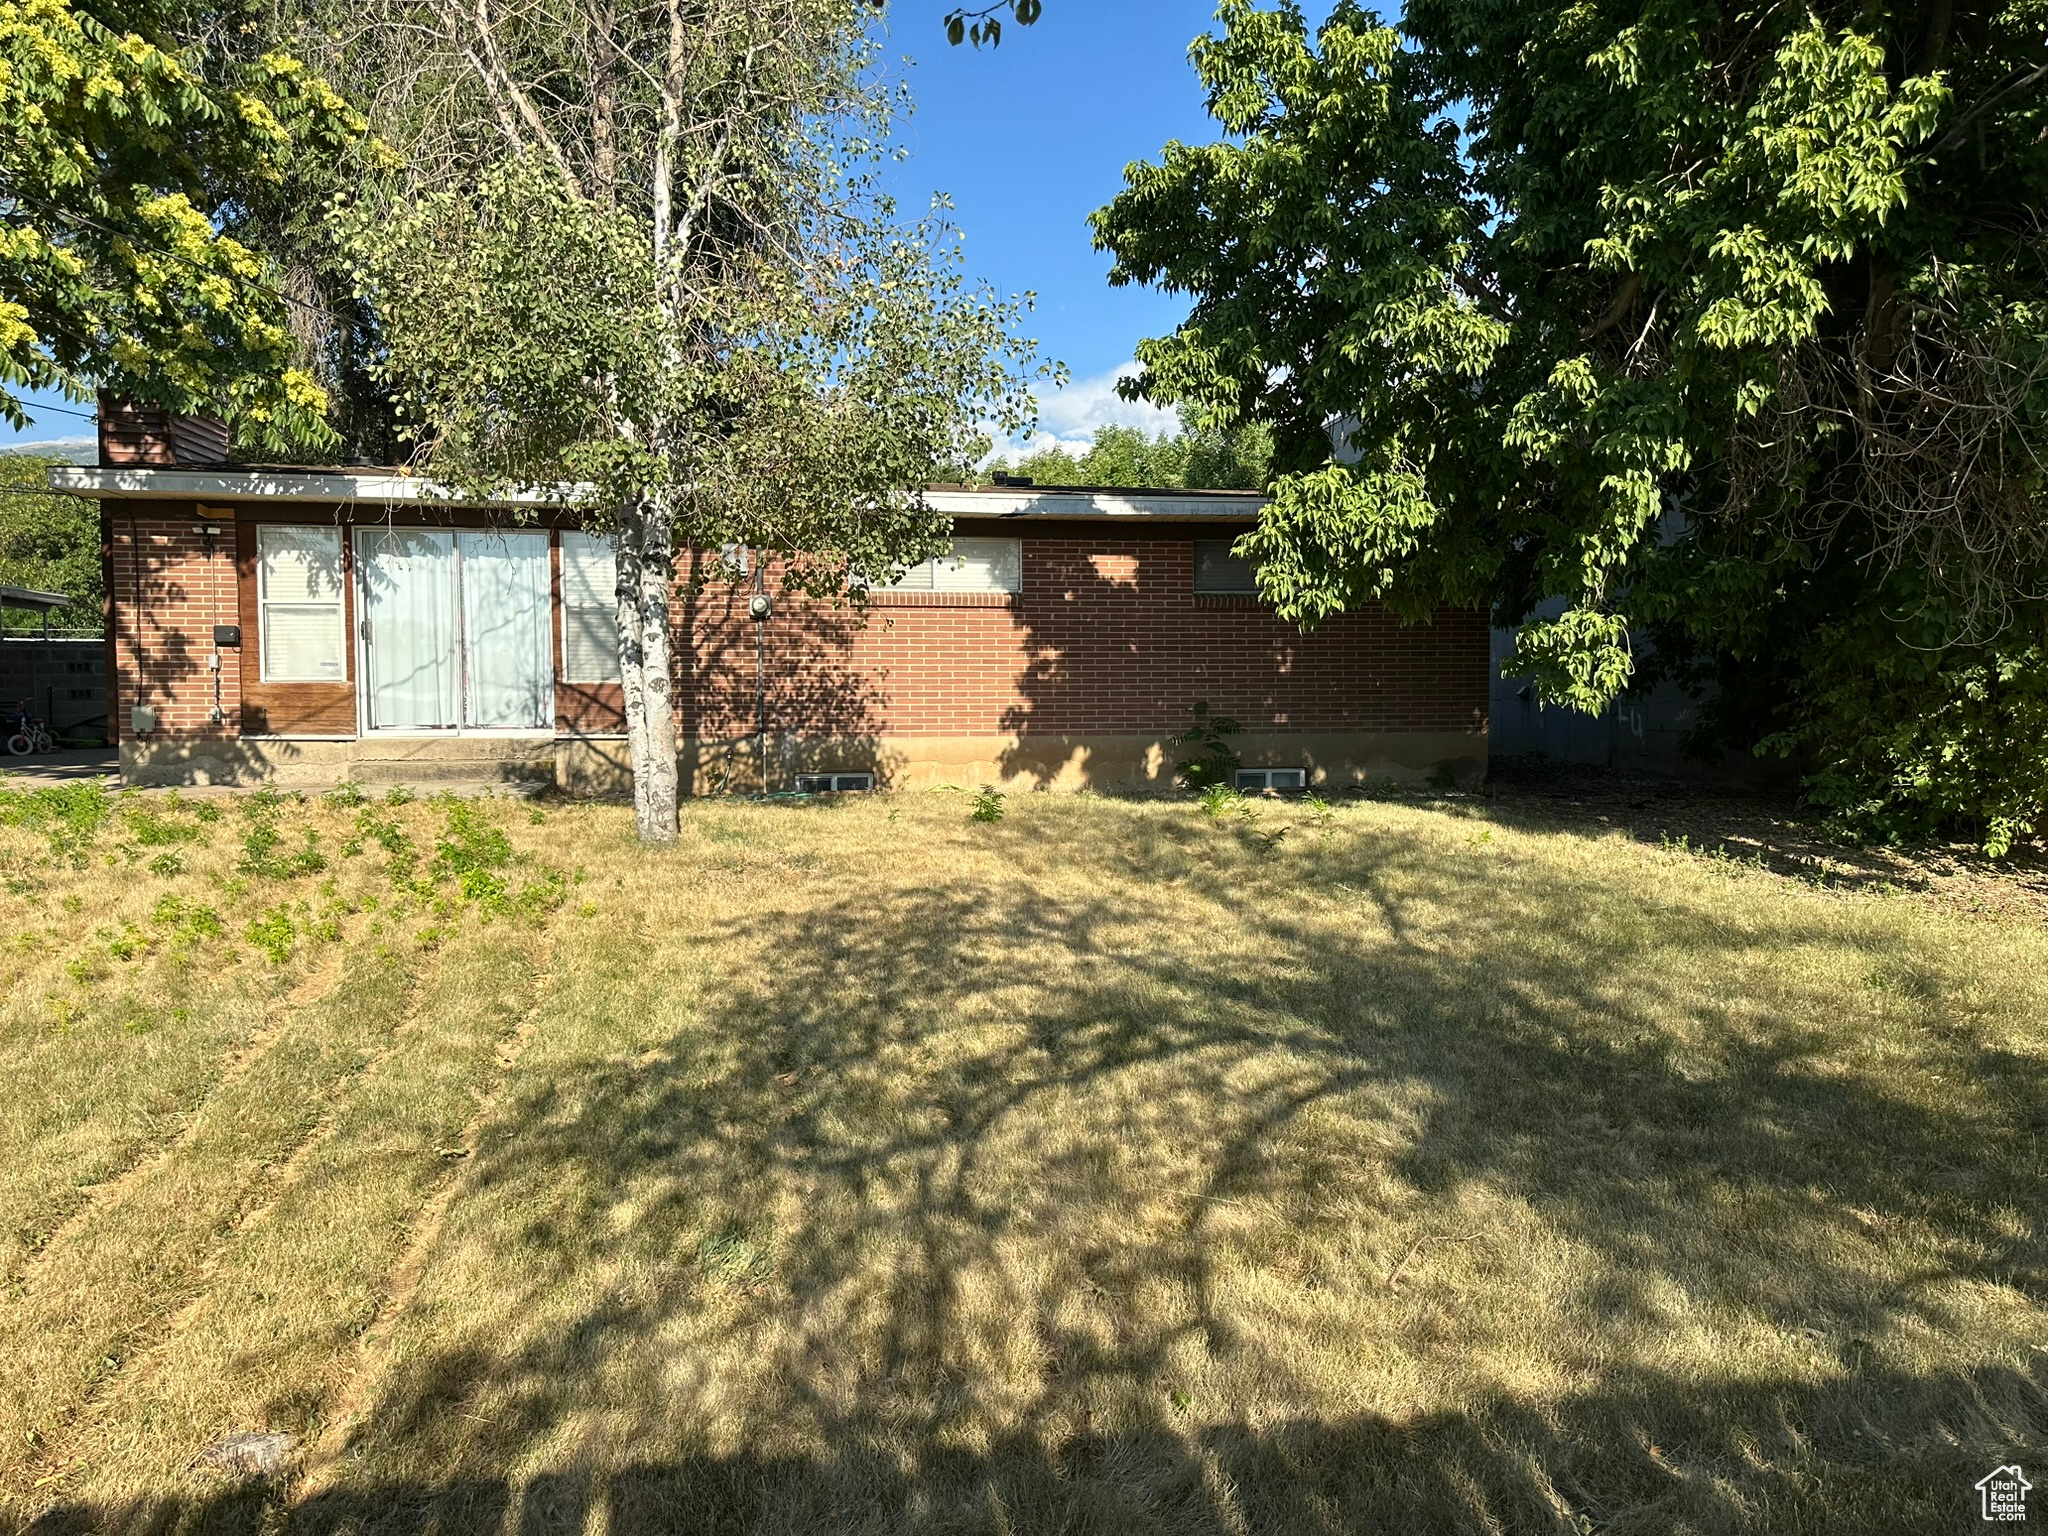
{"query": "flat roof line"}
[(394, 488), (29, 597), (229, 485)]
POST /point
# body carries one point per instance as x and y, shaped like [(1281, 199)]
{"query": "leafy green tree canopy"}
[(636, 257), (49, 543), (120, 160), (1195, 459), (1648, 308)]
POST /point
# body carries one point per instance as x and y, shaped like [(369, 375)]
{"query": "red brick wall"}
[(1108, 635), (170, 586)]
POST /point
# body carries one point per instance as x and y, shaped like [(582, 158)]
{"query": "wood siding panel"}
[(292, 709)]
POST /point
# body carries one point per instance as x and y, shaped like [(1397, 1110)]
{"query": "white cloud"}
[(1087, 405), (1069, 418)]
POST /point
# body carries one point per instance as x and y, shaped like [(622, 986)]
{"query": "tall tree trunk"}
[(655, 805), (645, 570), (601, 17), (632, 670), (648, 574)]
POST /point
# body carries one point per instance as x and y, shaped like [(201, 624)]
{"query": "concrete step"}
[(429, 763)]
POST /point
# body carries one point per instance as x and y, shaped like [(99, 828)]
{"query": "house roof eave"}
[(385, 487), (380, 487)]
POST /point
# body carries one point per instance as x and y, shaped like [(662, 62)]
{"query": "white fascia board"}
[(1023, 503), (219, 486), (385, 489)]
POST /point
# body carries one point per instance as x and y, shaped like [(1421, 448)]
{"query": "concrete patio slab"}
[(68, 766)]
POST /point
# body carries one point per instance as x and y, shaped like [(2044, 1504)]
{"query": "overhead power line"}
[(32, 408)]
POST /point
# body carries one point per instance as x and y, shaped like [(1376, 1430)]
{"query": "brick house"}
[(308, 625)]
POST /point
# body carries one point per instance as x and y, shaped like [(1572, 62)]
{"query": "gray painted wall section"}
[(1639, 733)]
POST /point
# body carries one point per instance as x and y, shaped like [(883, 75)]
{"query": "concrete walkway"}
[(68, 766)]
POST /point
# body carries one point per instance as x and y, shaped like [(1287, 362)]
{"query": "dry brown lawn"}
[(860, 1167)]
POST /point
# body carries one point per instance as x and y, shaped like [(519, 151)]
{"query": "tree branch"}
[(2015, 84), (1618, 307)]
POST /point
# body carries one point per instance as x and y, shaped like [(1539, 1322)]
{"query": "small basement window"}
[(1272, 778), (833, 783), (1217, 570)]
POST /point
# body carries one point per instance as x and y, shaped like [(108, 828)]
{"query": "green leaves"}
[(118, 159), (1341, 536), (985, 25), (1909, 743), (1713, 317), (789, 375), (515, 315), (1198, 458), (1581, 658), (49, 543)]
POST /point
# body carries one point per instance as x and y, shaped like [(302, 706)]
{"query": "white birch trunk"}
[(646, 660), (647, 575), (656, 786), (632, 674)]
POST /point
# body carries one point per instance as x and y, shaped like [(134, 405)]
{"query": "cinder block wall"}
[(63, 679)]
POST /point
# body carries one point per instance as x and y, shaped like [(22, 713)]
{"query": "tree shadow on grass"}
[(959, 1208), (1582, 1465)]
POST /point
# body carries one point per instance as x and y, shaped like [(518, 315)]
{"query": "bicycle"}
[(26, 733)]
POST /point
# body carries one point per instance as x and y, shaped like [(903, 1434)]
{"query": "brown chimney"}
[(149, 435)]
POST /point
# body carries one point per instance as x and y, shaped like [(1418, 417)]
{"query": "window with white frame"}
[(974, 565), (590, 610), (1272, 778), (298, 604), (1217, 570), (455, 633)]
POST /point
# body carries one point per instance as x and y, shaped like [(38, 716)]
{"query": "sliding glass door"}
[(508, 683), (407, 580), (455, 630)]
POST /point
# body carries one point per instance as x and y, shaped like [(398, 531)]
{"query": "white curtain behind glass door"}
[(408, 599), (508, 681)]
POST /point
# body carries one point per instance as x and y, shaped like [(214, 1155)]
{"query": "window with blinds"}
[(298, 604), (1218, 570), (975, 565), (590, 610)]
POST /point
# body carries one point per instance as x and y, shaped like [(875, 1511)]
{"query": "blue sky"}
[(56, 420), (1033, 136), (1029, 138)]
